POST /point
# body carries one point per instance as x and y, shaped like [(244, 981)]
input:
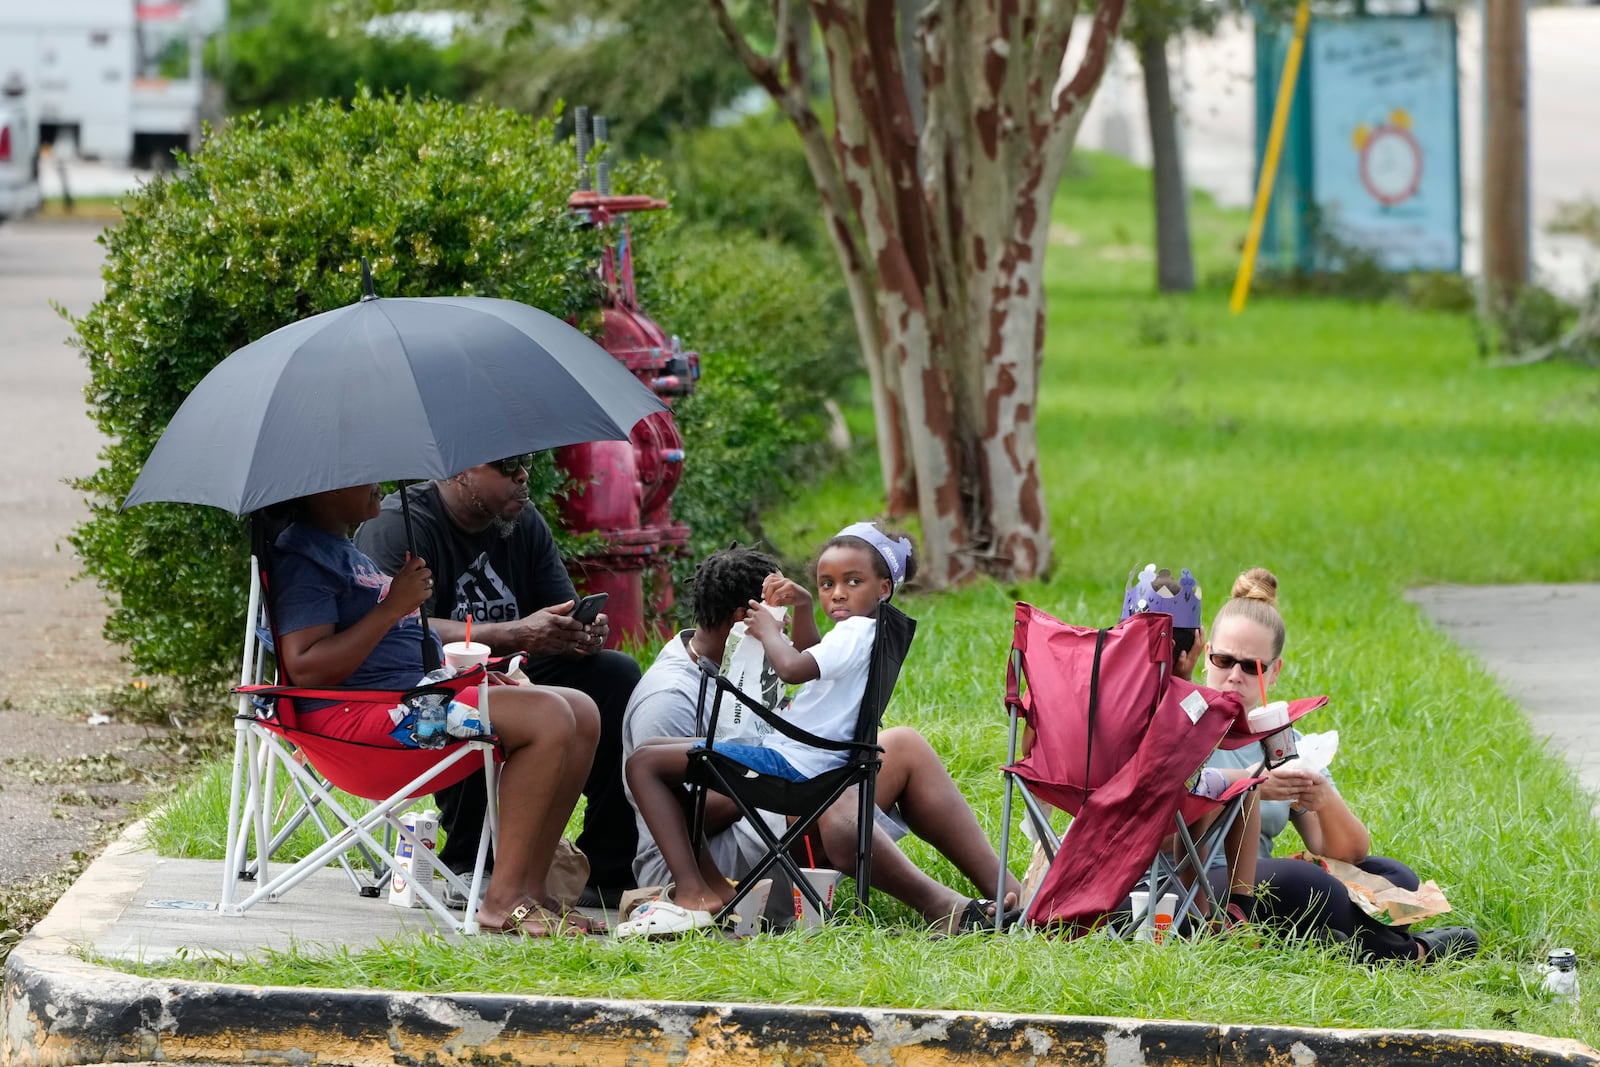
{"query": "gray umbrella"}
[(387, 389)]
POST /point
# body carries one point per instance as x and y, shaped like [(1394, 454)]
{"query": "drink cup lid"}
[(1269, 716)]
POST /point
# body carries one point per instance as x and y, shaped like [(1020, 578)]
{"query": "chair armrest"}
[(711, 674)]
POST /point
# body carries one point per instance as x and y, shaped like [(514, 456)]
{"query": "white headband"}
[(894, 552)]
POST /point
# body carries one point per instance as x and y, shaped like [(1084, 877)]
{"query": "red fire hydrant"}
[(624, 488)]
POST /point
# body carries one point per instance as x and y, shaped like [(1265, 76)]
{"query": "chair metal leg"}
[(237, 812), (1005, 822), (777, 848), (866, 818)]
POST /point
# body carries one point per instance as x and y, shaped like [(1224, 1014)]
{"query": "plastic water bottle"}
[(1561, 975), (433, 713), (432, 719)]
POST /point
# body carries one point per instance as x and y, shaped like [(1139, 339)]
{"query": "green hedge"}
[(751, 177)]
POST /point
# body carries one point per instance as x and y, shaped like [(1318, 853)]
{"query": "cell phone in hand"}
[(589, 607)]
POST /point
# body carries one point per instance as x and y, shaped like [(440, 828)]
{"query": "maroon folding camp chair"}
[(1115, 740)]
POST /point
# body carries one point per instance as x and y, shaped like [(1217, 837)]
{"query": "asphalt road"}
[(60, 775), (48, 623)]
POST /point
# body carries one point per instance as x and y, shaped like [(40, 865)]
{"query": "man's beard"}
[(502, 525)]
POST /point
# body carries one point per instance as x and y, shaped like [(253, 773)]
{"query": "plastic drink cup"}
[(826, 882), (1560, 978), (464, 654), (1274, 716), (1162, 920), (1144, 928)]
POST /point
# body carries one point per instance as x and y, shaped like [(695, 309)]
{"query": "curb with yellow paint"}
[(60, 1010)]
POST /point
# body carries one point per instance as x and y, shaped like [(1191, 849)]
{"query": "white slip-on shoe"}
[(663, 918)]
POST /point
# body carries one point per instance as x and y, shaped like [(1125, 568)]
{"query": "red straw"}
[(1260, 677), (811, 861), (469, 627)]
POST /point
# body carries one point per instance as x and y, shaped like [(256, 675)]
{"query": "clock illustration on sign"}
[(1390, 159)]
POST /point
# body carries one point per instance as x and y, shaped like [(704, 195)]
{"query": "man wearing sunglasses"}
[(493, 558)]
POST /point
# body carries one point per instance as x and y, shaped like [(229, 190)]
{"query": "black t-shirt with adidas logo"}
[(497, 578)]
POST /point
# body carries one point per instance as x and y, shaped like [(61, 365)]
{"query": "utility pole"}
[(1505, 148)]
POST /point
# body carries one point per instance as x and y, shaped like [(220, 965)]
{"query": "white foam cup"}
[(1144, 927), (464, 654), (825, 881)]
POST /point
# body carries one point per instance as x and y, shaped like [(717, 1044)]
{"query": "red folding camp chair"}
[(270, 738), (1115, 739)]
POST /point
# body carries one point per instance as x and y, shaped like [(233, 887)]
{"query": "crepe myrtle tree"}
[(939, 215)]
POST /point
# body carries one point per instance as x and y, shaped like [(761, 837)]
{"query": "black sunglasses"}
[(511, 464), (1224, 662)]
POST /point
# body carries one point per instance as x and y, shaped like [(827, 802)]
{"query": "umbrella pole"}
[(430, 651)]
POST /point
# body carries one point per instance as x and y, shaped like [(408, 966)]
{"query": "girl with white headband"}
[(859, 568)]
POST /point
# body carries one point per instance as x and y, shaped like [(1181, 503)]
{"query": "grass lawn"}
[(1357, 450)]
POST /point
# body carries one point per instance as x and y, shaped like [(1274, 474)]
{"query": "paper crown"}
[(1160, 592)]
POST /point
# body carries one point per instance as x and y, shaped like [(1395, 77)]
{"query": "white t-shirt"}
[(830, 704), (663, 705)]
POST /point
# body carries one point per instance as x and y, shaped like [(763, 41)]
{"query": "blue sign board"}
[(1373, 154)]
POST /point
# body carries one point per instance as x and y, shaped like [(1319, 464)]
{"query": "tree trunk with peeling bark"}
[(940, 226)]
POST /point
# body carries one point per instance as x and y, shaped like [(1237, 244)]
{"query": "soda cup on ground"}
[(1144, 928), (415, 866), (826, 882), (1162, 920)]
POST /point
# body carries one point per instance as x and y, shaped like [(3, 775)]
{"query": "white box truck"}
[(100, 73)]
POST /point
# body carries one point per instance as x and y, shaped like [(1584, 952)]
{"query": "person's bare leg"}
[(914, 777), (539, 732), (655, 774), (892, 872), (569, 787)]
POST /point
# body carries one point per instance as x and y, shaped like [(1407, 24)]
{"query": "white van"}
[(19, 155)]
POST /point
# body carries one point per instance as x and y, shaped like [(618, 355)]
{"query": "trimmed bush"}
[(751, 177)]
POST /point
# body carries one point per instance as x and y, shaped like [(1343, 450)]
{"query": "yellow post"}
[(1269, 165)]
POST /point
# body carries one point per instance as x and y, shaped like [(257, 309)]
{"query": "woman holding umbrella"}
[(341, 621)]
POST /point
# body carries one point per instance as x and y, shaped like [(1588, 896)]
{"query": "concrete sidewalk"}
[(60, 1009), (1543, 644)]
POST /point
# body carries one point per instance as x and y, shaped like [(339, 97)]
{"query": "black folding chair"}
[(803, 801)]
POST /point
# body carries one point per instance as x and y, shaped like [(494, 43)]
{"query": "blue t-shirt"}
[(321, 578)]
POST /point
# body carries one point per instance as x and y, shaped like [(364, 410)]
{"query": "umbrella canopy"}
[(384, 389)]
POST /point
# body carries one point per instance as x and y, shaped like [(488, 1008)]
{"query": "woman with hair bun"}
[(1245, 656)]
